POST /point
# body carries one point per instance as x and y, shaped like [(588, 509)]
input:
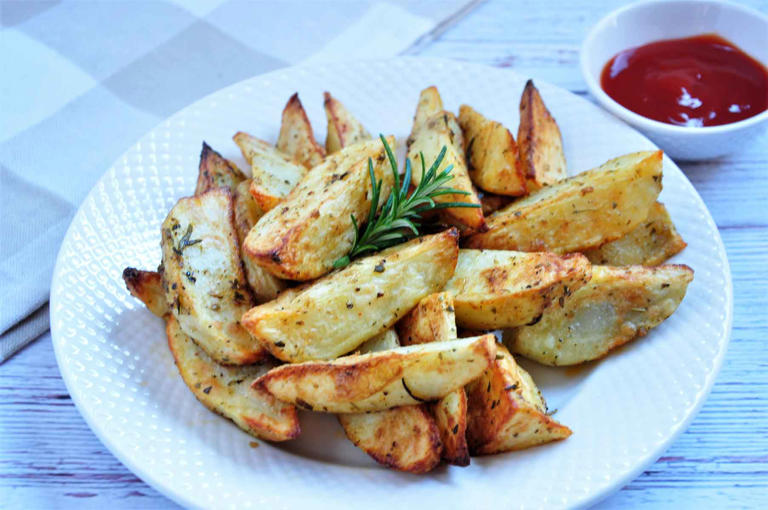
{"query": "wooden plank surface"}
[(50, 458)]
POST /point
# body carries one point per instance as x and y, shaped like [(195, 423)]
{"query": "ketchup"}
[(697, 81)]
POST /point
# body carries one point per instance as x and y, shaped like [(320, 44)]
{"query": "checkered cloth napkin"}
[(81, 81)]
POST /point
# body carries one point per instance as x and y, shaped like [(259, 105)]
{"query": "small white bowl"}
[(645, 22)]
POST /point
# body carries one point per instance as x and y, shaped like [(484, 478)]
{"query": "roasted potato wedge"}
[(301, 239), (616, 306), (274, 173), (337, 313), (226, 390), (540, 142), (405, 438), (430, 103), (216, 172), (296, 138), (649, 244), (343, 128), (381, 380), (433, 320), (506, 410), (203, 277), (427, 140), (492, 156), (581, 212), (502, 289), (264, 285), (147, 287)]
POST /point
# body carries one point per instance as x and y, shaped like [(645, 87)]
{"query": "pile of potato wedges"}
[(412, 347)]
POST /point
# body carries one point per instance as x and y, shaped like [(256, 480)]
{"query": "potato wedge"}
[(147, 287), (264, 285), (506, 410), (540, 142), (381, 380), (430, 103), (296, 138), (428, 139), (649, 244), (433, 320), (216, 172), (492, 156), (274, 173), (301, 239), (203, 277), (337, 313), (226, 390), (616, 306), (502, 289), (404, 438), (343, 128), (581, 212)]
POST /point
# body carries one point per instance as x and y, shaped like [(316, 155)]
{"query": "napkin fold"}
[(90, 78)]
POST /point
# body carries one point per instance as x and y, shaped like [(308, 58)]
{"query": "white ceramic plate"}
[(624, 411)]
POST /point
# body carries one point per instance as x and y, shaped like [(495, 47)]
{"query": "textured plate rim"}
[(600, 493)]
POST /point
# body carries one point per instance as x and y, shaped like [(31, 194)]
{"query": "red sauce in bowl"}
[(698, 81)]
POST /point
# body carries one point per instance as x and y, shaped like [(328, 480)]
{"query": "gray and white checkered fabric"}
[(82, 80)]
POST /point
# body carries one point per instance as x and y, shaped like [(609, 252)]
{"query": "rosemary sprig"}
[(185, 241), (398, 220)]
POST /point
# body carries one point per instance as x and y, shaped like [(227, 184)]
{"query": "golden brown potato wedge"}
[(381, 380), (296, 138), (343, 128), (616, 306), (216, 172), (264, 285), (649, 244), (337, 313), (492, 157), (429, 104), (427, 140), (433, 320), (502, 289), (274, 173), (506, 411), (226, 390), (581, 212), (404, 438), (301, 239), (540, 142), (203, 277), (147, 287)]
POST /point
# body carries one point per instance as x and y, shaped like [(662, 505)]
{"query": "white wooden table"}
[(50, 458)]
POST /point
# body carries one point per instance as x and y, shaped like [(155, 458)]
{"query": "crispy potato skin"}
[(337, 313), (303, 237), (502, 289), (343, 128), (203, 277), (433, 320), (273, 173), (616, 306), (226, 390), (402, 438), (580, 212), (492, 155), (540, 141), (649, 244), (427, 139), (506, 411), (147, 287), (381, 380), (264, 285), (296, 138), (216, 172)]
